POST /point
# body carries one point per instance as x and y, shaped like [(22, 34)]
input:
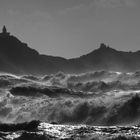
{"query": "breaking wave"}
[(100, 98), (36, 130)]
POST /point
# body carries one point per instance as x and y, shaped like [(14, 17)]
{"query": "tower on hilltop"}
[(4, 32)]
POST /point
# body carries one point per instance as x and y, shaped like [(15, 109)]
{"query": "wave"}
[(120, 108), (44, 131), (71, 99), (39, 90), (103, 86), (30, 77), (64, 80)]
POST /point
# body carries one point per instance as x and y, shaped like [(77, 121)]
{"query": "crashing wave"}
[(95, 98), (41, 131)]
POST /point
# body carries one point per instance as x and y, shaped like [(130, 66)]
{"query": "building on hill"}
[(4, 32)]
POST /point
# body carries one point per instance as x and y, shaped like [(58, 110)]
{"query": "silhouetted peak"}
[(103, 46)]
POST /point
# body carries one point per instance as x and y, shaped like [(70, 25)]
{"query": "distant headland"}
[(18, 58)]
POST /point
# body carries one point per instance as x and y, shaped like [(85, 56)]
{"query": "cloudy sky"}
[(70, 28)]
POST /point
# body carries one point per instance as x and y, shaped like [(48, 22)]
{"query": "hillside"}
[(18, 58)]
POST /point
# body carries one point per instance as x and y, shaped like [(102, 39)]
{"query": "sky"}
[(71, 28)]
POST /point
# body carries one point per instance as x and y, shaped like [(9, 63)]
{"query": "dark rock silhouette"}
[(16, 57), (27, 126)]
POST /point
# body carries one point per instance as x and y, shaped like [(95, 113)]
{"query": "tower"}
[(4, 32)]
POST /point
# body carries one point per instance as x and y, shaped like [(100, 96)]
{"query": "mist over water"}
[(96, 98), (102, 98)]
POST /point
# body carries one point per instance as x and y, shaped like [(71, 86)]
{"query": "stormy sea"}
[(99, 105)]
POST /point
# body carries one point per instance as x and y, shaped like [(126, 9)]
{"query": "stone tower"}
[(4, 32)]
